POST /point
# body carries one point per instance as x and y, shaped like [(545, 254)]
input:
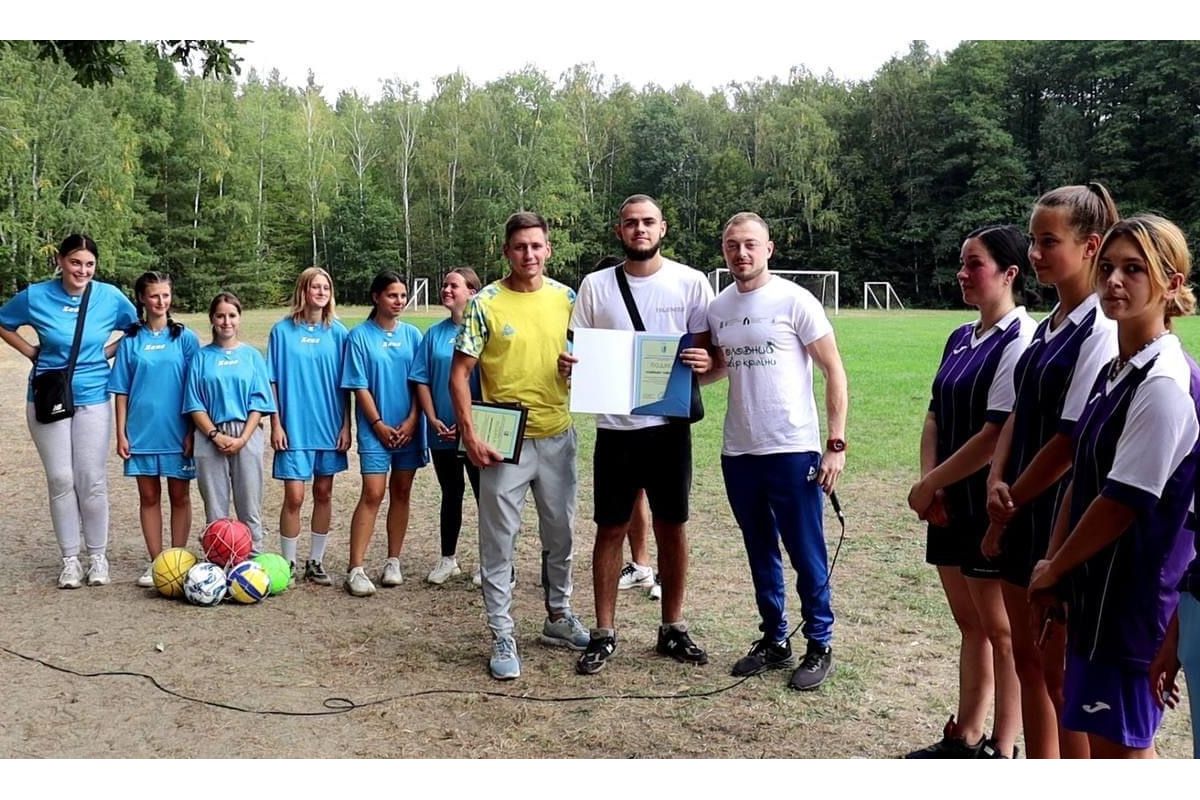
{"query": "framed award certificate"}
[(501, 426)]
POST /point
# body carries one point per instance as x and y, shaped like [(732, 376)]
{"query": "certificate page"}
[(602, 381), (654, 360)]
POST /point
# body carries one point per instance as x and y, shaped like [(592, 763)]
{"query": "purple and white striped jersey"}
[(1136, 443)]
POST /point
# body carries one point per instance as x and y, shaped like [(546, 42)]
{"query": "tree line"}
[(241, 186)]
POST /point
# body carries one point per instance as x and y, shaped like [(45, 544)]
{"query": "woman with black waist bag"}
[(68, 409)]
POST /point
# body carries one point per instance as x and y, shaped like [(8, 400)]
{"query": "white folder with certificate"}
[(630, 372)]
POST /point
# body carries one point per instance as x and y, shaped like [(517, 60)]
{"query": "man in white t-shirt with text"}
[(768, 333)]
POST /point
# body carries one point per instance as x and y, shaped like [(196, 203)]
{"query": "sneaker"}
[(477, 578), (71, 576), (988, 749), (313, 571), (291, 575), (446, 569), (678, 645), (505, 663), (565, 632), (97, 574), (146, 581), (952, 745), (358, 584), (656, 590), (391, 573), (814, 667), (765, 655), (635, 575), (599, 650)]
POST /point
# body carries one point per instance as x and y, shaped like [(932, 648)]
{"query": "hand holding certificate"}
[(499, 427)]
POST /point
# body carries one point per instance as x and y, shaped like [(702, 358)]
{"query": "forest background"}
[(240, 183)]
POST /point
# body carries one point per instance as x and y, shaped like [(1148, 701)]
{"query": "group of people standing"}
[(1058, 471)]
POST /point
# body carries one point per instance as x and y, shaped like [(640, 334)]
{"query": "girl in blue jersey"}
[(227, 394), (972, 397), (153, 436), (73, 451), (1052, 378), (1122, 543), (378, 367), (311, 432), (431, 376)]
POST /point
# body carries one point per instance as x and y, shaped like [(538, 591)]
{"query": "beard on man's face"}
[(641, 253)]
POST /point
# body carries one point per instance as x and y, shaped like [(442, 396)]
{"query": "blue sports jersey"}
[(305, 364), (1120, 600), (432, 368), (151, 368), (382, 362), (51, 312), (228, 384), (967, 394)]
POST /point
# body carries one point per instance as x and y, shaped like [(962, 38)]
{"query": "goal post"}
[(871, 292), (418, 298), (824, 284)]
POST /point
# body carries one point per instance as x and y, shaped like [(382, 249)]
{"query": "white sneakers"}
[(446, 569), (635, 575), (71, 576), (391, 573), (147, 579), (358, 584), (98, 570)]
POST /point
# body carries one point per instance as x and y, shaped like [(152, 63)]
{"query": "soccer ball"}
[(226, 542), (277, 569), (248, 582), (170, 571), (205, 584)]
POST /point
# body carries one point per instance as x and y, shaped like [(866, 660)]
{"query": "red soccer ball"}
[(226, 542)]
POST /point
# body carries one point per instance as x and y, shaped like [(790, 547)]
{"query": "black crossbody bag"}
[(52, 396), (696, 412)]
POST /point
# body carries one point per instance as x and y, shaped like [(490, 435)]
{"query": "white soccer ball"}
[(205, 584)]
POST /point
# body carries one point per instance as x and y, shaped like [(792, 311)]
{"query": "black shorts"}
[(657, 459), (958, 546)]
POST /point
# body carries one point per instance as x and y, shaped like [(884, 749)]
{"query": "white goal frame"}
[(720, 279), (889, 294), (418, 298)]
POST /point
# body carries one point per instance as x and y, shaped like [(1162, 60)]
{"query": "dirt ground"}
[(416, 655)]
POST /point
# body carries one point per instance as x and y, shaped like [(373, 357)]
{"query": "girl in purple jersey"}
[(972, 397), (1121, 543), (1027, 478)]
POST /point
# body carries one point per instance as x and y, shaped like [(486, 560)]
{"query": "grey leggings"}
[(74, 454), (237, 478)]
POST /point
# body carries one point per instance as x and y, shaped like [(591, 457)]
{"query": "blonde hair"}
[(469, 276), (300, 296), (1164, 247)]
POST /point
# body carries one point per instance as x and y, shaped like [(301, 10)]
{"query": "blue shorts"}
[(304, 465), (1111, 701), (161, 465), (379, 463)]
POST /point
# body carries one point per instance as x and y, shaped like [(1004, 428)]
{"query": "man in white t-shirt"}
[(769, 332), (635, 452)]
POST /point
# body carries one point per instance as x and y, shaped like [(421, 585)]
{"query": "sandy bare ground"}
[(894, 684)]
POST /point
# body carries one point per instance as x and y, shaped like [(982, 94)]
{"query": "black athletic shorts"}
[(958, 546), (657, 459)]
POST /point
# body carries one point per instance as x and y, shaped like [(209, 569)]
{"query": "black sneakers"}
[(989, 749), (814, 667), (678, 645), (313, 571), (952, 745), (599, 650), (765, 655)]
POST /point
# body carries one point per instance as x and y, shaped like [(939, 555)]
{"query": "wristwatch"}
[(213, 434), (835, 445)]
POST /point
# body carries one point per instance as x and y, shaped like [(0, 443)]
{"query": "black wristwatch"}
[(836, 445)]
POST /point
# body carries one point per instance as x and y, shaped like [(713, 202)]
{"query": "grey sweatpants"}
[(74, 454), (548, 467), (240, 477)]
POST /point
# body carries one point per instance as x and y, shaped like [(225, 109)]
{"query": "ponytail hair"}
[(1090, 208), (1164, 248), (383, 280), (139, 288)]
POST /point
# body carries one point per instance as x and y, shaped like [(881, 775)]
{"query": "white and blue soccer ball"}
[(205, 584)]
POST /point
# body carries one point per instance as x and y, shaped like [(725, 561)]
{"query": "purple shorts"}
[(1107, 700)]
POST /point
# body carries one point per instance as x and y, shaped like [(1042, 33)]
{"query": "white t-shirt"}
[(673, 300), (763, 334)]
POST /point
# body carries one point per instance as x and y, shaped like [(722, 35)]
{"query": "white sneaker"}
[(656, 589), (391, 573), (446, 569), (98, 570), (358, 584), (71, 576), (147, 579), (634, 575)]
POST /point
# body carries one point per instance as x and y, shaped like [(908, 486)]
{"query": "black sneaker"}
[(313, 571), (765, 655), (814, 668), (951, 746), (988, 749), (599, 650), (679, 646)]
